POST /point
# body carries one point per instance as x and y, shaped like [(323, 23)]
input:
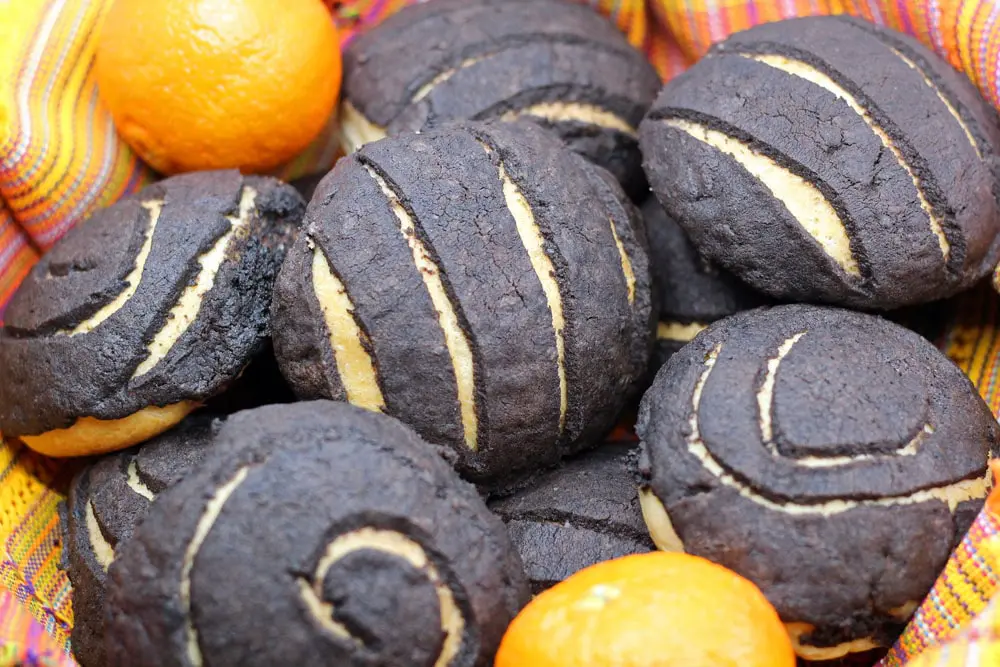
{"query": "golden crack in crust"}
[(204, 526), (356, 130), (937, 91), (765, 396), (951, 494), (132, 280), (355, 365), (814, 76), (534, 244), (678, 331), (803, 200), (396, 544), (104, 552), (459, 348), (657, 519), (765, 406), (135, 482), (426, 89), (185, 311), (580, 112), (627, 270)]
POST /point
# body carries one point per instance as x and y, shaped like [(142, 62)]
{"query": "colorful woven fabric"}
[(31, 487), (60, 159), (17, 254), (958, 624), (979, 644), (60, 156), (961, 593), (30, 644), (964, 32)]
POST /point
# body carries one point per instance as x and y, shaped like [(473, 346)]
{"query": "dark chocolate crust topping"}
[(481, 283), (552, 60), (107, 500), (862, 175), (691, 291), (350, 540), (688, 287), (582, 513), (161, 298), (854, 448)]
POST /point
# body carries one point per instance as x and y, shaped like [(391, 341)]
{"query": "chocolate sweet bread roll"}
[(829, 160), (107, 500), (691, 291), (315, 533), (579, 514), (481, 283), (817, 451), (143, 312), (559, 63)]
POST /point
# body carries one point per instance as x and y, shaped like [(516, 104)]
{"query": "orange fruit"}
[(649, 610), (217, 84)]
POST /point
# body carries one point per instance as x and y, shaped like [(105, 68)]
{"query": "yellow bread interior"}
[(817, 653), (356, 130), (661, 529), (627, 270), (135, 482), (950, 494), (354, 364), (208, 518), (90, 436), (426, 89), (103, 551), (534, 244), (951, 108), (678, 331), (765, 396), (581, 112)]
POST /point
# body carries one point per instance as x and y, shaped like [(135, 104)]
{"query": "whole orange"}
[(649, 610), (216, 84)]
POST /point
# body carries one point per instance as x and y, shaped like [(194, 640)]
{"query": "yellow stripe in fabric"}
[(455, 339), (66, 100), (60, 157), (813, 75), (967, 19), (17, 22), (46, 93), (354, 363), (20, 258)]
